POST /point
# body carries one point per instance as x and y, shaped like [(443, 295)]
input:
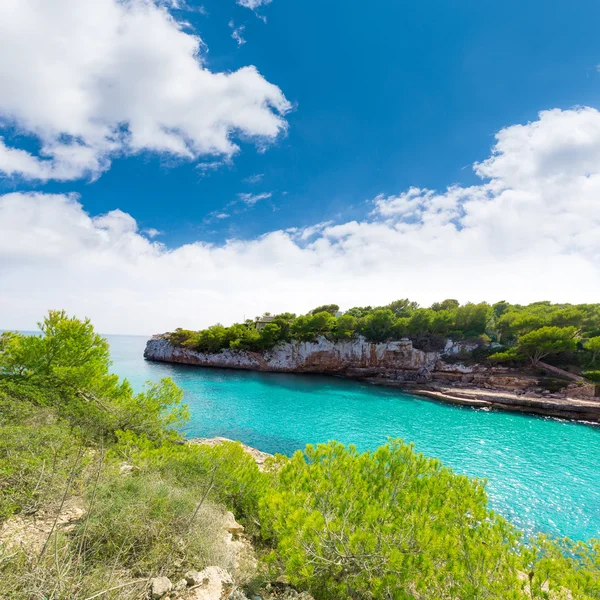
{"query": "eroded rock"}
[(159, 586), (216, 584), (231, 525)]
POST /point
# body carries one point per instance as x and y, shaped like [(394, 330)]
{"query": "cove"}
[(543, 474)]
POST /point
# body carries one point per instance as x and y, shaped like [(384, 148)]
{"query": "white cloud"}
[(151, 232), (253, 4), (237, 33), (92, 79), (252, 179), (530, 231), (252, 199)]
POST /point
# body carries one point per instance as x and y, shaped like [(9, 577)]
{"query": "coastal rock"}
[(320, 356), (159, 586), (400, 364)]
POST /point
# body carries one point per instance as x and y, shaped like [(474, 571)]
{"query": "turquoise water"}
[(543, 474)]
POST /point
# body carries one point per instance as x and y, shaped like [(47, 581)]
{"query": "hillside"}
[(101, 497)]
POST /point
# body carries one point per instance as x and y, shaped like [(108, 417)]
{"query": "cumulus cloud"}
[(529, 231), (92, 79)]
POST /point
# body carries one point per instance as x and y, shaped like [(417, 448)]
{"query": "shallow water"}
[(543, 474)]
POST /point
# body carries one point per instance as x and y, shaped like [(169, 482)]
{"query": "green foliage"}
[(505, 356), (307, 328), (147, 521), (386, 524), (562, 569), (68, 367), (36, 459), (447, 305), (332, 309), (428, 328), (345, 327), (67, 354), (546, 341), (592, 345), (359, 311), (233, 476), (378, 326), (473, 319), (402, 308), (592, 376)]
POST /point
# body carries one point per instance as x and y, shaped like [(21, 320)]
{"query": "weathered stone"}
[(320, 356), (159, 586), (128, 469), (193, 578), (231, 525), (216, 584)]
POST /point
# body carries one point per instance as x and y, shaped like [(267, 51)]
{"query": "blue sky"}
[(383, 97), (386, 95)]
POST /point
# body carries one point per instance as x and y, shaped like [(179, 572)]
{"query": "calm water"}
[(543, 474)]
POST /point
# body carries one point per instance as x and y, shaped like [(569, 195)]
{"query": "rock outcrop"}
[(400, 364), (355, 356)]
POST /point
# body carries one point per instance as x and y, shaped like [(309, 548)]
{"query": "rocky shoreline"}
[(436, 375)]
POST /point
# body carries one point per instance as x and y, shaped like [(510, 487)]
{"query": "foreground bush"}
[(387, 524)]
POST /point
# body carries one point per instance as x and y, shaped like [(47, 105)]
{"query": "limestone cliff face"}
[(399, 364), (356, 357)]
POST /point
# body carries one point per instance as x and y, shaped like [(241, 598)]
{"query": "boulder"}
[(216, 584), (193, 578), (232, 525), (128, 469), (159, 586)]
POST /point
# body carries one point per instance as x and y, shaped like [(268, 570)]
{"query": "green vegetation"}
[(383, 525), (562, 333)]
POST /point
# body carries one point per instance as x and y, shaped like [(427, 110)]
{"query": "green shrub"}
[(36, 461), (227, 469), (386, 524), (68, 368), (151, 526), (592, 376)]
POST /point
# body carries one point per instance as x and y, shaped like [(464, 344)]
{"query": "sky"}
[(175, 164)]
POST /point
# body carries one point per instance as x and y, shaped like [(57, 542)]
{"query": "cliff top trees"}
[(593, 346), (546, 341), (540, 343), (508, 324), (332, 309)]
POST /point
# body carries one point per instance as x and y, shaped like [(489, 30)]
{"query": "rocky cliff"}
[(353, 358), (395, 361), (399, 363)]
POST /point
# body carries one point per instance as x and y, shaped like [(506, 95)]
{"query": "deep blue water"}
[(543, 474)]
